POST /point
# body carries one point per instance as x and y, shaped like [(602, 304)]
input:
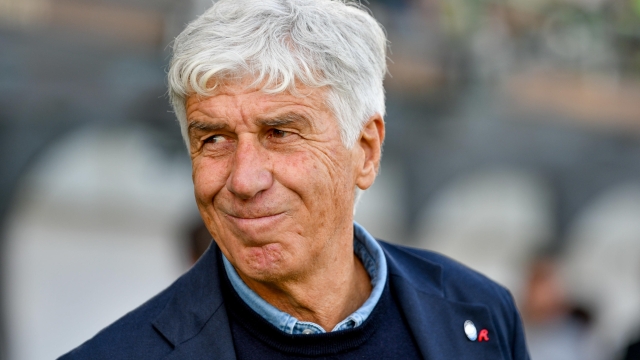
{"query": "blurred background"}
[(513, 146)]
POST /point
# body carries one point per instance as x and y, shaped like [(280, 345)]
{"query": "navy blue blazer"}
[(188, 320)]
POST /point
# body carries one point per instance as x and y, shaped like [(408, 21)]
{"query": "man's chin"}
[(264, 263)]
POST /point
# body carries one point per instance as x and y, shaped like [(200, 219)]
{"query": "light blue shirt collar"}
[(366, 249)]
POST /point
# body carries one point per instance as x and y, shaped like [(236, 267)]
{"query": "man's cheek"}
[(208, 181)]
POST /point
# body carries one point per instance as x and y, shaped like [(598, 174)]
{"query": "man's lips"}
[(252, 221), (253, 217)]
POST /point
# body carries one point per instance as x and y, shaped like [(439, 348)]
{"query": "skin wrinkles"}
[(274, 185)]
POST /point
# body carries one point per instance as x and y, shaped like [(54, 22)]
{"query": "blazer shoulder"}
[(130, 337), (456, 281), (170, 318)]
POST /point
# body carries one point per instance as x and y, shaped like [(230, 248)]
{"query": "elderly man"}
[(281, 105)]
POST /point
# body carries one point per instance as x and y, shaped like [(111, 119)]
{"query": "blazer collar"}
[(195, 321), (419, 273)]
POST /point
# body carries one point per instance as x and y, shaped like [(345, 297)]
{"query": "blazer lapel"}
[(210, 343), (195, 321), (437, 324)]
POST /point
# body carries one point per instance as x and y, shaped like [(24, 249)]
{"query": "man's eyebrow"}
[(205, 126), (285, 119)]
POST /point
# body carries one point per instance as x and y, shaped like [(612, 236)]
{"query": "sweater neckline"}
[(322, 344)]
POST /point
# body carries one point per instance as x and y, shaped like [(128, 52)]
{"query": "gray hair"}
[(317, 43)]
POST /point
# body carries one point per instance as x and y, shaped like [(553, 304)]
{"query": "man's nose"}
[(250, 173)]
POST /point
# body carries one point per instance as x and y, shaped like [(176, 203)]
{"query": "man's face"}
[(273, 181)]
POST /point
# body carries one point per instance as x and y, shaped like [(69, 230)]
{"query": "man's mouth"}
[(253, 217), (255, 221)]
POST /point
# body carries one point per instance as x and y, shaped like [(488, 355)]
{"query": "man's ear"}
[(370, 145)]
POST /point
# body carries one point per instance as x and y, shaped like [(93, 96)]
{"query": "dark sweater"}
[(384, 335)]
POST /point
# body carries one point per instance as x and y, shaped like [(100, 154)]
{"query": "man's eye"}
[(214, 139), (276, 133)]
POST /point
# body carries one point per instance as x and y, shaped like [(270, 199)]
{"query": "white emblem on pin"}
[(470, 330)]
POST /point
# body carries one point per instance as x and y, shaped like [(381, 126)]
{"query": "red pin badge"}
[(473, 334), (483, 335)]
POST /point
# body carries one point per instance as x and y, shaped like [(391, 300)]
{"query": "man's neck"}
[(325, 297)]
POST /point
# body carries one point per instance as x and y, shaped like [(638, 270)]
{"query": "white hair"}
[(279, 43)]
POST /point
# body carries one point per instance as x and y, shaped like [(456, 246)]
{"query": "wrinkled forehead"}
[(245, 100), (315, 97)]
